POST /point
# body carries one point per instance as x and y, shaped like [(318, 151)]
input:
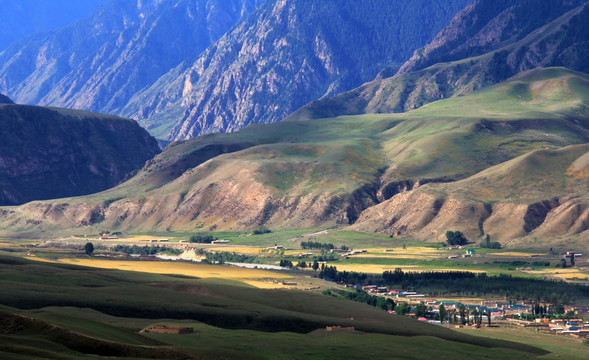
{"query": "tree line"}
[(146, 250), (464, 283)]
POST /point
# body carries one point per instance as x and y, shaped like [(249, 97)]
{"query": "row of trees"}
[(316, 245), (488, 244), (464, 283), (222, 257), (146, 250), (202, 238), (364, 297)]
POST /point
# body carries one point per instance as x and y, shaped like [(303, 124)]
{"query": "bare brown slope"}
[(541, 195)]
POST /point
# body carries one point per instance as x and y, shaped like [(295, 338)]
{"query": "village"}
[(505, 314)]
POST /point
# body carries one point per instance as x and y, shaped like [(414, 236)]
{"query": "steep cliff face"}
[(518, 38), (51, 153), (286, 54), (100, 62)]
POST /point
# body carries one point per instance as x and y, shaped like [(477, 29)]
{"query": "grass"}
[(220, 303), (560, 346)]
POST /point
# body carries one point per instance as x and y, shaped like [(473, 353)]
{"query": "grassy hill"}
[(56, 311), (328, 172)]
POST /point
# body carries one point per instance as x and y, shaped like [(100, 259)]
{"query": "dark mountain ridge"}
[(54, 153)]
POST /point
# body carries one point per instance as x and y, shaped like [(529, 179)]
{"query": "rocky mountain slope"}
[(100, 62), (287, 54), (137, 59), (53, 153), (488, 42), (510, 154)]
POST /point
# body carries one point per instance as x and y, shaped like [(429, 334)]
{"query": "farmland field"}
[(178, 268)]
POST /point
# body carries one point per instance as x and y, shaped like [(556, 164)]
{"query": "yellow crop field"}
[(399, 255), (565, 274), (246, 250), (515, 253), (181, 268), (377, 269)]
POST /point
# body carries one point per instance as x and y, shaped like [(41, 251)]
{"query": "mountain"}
[(145, 60), (286, 54), (5, 100), (25, 17), (100, 62), (53, 153), (486, 43), (470, 163)]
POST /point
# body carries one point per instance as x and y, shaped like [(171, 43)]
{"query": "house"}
[(169, 329), (220, 242), (339, 328)]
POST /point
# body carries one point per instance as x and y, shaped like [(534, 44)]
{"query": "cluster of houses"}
[(573, 327), (497, 311)]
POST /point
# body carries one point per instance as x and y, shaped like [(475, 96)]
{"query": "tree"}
[(455, 238), (315, 265), (462, 313), (302, 265), (443, 313), (488, 315), (487, 243), (572, 259), (420, 310), (89, 248), (261, 230), (402, 308), (202, 238), (559, 309), (390, 304)]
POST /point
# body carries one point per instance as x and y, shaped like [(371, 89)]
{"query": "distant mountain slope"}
[(520, 37), (285, 55), (52, 153), (362, 170), (487, 25), (24, 17), (100, 62), (5, 100)]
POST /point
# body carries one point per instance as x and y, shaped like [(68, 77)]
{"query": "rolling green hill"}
[(57, 311), (332, 172)]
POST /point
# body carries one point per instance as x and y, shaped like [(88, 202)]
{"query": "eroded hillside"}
[(415, 174)]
